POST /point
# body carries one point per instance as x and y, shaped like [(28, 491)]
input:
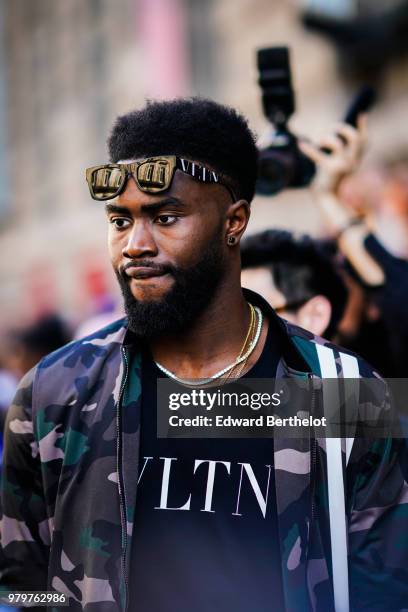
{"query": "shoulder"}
[(366, 389), (96, 344), (74, 370), (328, 359)]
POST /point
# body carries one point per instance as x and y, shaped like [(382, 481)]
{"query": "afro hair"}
[(195, 128)]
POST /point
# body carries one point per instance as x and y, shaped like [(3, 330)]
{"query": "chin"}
[(151, 290)]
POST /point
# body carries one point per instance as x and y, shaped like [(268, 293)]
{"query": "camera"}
[(281, 163)]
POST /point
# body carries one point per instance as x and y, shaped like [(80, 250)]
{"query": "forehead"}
[(260, 280), (183, 187)]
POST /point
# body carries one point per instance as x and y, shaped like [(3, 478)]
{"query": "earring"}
[(231, 240)]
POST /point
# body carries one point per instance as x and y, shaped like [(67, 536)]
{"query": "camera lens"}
[(272, 173)]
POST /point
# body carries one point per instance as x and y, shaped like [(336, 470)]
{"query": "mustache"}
[(144, 263)]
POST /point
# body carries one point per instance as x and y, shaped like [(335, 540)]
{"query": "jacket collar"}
[(291, 354)]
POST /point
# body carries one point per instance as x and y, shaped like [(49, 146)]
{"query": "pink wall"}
[(162, 34)]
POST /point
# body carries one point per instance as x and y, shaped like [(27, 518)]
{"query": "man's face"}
[(168, 252)]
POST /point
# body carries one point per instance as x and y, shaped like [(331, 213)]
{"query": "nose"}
[(140, 241)]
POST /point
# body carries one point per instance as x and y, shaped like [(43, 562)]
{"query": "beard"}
[(191, 293)]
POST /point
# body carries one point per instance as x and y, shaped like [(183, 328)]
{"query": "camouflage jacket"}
[(70, 472)]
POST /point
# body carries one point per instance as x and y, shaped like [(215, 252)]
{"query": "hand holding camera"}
[(338, 155), (283, 161)]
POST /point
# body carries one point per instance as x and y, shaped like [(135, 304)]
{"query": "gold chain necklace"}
[(238, 369), (251, 335)]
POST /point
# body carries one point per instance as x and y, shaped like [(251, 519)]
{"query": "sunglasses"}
[(152, 175)]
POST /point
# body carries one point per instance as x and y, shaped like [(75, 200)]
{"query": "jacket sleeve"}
[(24, 532), (377, 494)]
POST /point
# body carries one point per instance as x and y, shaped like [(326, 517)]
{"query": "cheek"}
[(191, 239), (187, 252), (114, 247), (180, 243)]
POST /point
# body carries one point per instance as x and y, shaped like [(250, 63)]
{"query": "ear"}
[(315, 315), (237, 217)]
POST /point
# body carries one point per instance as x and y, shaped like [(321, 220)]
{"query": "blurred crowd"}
[(351, 285)]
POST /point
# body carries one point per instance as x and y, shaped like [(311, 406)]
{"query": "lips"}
[(143, 272)]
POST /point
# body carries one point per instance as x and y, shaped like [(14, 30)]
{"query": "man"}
[(297, 278), (96, 506)]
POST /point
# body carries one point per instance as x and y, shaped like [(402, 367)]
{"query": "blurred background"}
[(69, 67)]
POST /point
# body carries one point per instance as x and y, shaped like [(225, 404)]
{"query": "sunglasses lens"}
[(105, 182), (154, 175)]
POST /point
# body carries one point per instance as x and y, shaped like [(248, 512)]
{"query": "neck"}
[(213, 341)]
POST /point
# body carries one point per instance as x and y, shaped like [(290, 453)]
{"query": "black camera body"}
[(281, 163)]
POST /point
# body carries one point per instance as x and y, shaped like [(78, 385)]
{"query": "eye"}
[(119, 223), (166, 219)]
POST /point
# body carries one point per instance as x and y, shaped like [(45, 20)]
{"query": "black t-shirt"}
[(205, 527)]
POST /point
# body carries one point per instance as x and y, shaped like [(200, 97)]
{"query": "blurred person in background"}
[(22, 349), (370, 223), (297, 277), (379, 193), (99, 508), (8, 386), (38, 339)]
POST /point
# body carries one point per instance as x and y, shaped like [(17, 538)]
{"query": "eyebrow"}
[(115, 208)]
